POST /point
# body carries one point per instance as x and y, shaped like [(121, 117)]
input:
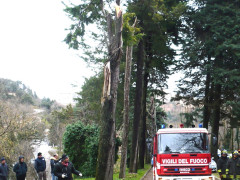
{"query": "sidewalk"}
[(148, 176)]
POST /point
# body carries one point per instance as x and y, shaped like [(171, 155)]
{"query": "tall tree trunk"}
[(106, 150), (142, 141), (206, 111), (126, 112), (216, 117), (137, 109)]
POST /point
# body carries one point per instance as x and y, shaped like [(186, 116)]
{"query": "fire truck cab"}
[(182, 154)]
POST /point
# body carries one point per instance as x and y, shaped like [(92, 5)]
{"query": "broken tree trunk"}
[(106, 151)]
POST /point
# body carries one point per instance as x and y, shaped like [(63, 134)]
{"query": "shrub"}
[(81, 144)]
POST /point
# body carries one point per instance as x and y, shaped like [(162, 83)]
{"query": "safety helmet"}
[(224, 151), (239, 151), (235, 152)]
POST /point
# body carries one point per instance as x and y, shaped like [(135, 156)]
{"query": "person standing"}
[(222, 165), (20, 169), (233, 166), (53, 162), (3, 169), (40, 166), (64, 169)]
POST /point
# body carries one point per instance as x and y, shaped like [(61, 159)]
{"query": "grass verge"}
[(130, 176)]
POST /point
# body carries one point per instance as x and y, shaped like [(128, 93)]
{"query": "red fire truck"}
[(182, 154)]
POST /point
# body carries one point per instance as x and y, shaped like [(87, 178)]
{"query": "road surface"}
[(149, 176)]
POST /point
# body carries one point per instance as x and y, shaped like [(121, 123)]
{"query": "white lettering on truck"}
[(185, 161)]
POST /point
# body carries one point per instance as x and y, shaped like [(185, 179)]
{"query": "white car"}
[(213, 165)]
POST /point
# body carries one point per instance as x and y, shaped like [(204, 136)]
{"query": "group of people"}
[(61, 169), (229, 168), (20, 168)]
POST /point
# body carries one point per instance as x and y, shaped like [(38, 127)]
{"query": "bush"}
[(81, 144)]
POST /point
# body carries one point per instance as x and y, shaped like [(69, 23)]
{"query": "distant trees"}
[(16, 90), (20, 129), (47, 103), (58, 120)]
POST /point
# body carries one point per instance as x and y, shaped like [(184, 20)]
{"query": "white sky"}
[(32, 48)]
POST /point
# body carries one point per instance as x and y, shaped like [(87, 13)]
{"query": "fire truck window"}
[(183, 143)]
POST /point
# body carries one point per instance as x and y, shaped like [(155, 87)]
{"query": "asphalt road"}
[(149, 176)]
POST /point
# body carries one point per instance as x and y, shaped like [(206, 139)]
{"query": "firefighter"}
[(222, 164), (233, 166)]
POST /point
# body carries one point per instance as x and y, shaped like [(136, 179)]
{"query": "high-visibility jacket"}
[(233, 168), (222, 165)]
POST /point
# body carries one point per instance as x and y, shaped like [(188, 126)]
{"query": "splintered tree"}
[(94, 12), (106, 152)]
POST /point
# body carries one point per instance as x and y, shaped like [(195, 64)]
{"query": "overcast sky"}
[(32, 48)]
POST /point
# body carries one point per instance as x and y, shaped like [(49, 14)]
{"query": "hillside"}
[(16, 90)]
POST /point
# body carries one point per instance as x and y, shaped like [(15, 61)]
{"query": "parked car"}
[(213, 165)]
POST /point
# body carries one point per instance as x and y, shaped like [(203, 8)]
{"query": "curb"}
[(146, 174)]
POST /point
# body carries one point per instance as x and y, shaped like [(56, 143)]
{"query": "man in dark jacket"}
[(20, 169), (233, 166), (40, 166), (3, 169), (222, 165), (53, 162), (64, 169)]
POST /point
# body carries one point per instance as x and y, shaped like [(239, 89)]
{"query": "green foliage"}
[(58, 120), (210, 47), (26, 98), (87, 12), (81, 144), (131, 34), (161, 116), (89, 99), (46, 103), (130, 176), (190, 117), (17, 91), (88, 105), (83, 15)]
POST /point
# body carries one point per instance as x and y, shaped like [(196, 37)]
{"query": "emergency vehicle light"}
[(162, 126), (193, 169), (200, 125), (176, 169), (181, 125)]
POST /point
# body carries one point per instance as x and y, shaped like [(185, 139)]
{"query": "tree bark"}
[(106, 150), (137, 109), (126, 112), (206, 111), (142, 142), (216, 117)]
